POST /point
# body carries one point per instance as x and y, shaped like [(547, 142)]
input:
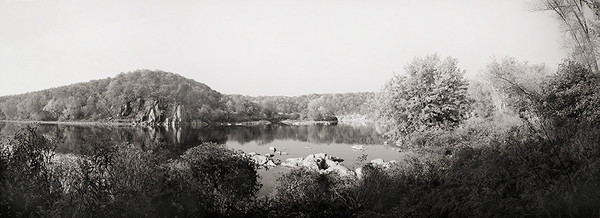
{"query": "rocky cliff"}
[(156, 112)]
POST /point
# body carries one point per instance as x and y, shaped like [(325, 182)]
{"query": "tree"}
[(431, 95), (572, 96), (513, 86), (317, 110), (581, 21)]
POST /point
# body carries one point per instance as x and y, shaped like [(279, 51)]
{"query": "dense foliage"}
[(112, 98), (431, 95), (104, 99), (122, 180), (538, 159)]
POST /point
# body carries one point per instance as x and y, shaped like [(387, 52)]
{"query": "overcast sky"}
[(275, 47)]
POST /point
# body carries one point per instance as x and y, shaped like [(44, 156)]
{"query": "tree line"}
[(104, 99)]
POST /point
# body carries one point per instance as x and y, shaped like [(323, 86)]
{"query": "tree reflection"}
[(174, 141), (312, 133)]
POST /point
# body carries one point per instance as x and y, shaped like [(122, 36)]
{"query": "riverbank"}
[(74, 123), (307, 122), (355, 120), (124, 124)]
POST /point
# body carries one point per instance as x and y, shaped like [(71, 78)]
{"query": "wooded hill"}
[(162, 97)]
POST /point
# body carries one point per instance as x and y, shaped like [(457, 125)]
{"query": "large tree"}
[(513, 86), (432, 94), (581, 20)]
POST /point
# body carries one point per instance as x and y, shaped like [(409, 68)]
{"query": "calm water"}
[(298, 141)]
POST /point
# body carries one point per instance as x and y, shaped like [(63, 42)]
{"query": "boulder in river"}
[(359, 172), (293, 162), (270, 163), (382, 163), (259, 159), (320, 162), (377, 161), (358, 147)]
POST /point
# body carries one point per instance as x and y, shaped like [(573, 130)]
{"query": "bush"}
[(307, 193), (123, 180), (28, 186), (210, 180)]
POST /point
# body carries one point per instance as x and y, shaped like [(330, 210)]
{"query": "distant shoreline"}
[(74, 123), (125, 124)]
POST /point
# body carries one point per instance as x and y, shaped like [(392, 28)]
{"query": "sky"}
[(264, 47)]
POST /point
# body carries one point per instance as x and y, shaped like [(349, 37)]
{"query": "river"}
[(293, 141)]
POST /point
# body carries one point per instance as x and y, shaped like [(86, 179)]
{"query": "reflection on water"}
[(74, 138), (296, 141)]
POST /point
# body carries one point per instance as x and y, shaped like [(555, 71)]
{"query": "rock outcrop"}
[(153, 112), (320, 162), (264, 160)]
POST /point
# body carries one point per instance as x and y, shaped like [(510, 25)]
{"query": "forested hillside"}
[(315, 106), (110, 98), (162, 97)]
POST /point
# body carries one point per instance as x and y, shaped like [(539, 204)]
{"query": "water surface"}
[(297, 141)]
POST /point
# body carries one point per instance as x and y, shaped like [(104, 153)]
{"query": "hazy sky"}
[(278, 47)]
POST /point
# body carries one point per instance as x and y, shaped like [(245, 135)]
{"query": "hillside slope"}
[(161, 98), (155, 97)]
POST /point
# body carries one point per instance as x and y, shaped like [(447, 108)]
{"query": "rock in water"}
[(258, 159), (358, 147), (320, 156), (359, 172), (342, 170), (293, 162), (271, 163), (378, 161), (311, 162), (331, 163)]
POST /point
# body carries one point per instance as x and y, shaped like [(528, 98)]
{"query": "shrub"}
[(210, 180), (307, 193), (28, 186)]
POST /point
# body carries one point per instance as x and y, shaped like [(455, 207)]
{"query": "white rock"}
[(273, 149), (320, 155), (271, 163), (359, 172), (252, 154), (293, 162), (311, 162), (287, 164), (342, 170), (358, 147), (331, 163), (260, 159), (378, 161)]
